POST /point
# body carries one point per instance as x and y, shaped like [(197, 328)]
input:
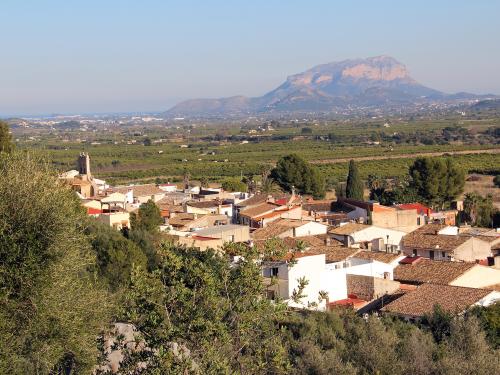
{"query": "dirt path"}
[(405, 156)]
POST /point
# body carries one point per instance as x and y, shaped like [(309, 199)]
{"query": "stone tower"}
[(83, 164)]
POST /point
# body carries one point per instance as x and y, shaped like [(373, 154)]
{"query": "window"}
[(443, 254), (274, 271), (414, 252), (418, 220), (431, 254), (271, 295)]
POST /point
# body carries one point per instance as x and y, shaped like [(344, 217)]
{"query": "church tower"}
[(83, 164)]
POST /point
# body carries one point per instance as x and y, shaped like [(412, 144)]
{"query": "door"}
[(431, 254)]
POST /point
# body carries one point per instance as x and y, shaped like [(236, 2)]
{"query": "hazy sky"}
[(71, 56)]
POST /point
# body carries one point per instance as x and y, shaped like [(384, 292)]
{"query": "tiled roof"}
[(426, 237), (421, 209), (495, 287), (332, 253), (430, 271), (484, 234), (430, 228), (291, 223), (140, 190), (181, 219), (204, 204), (165, 202), (454, 299), (277, 227), (318, 206), (347, 229), (252, 201), (258, 210), (379, 256), (270, 231), (337, 253), (291, 242)]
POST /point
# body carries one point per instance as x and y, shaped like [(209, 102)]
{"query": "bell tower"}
[(83, 164)]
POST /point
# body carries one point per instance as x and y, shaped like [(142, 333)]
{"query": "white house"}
[(323, 275), (285, 279), (380, 238)]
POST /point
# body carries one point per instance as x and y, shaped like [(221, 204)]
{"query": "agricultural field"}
[(217, 151)]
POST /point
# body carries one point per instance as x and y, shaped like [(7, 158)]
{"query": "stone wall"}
[(369, 288)]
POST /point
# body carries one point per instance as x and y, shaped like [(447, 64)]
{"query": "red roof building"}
[(421, 209)]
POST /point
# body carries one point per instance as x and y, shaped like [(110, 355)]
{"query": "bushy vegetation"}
[(52, 302), (478, 210), (64, 279), (6, 144), (234, 184)]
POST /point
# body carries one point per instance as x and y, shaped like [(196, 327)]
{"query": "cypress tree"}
[(355, 186)]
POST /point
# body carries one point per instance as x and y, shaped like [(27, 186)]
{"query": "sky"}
[(102, 56)]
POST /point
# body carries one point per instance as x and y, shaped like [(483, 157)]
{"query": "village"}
[(400, 260)]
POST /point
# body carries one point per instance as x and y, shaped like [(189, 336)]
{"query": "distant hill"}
[(487, 105), (379, 82)]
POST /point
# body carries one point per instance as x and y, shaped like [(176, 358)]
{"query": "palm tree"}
[(268, 186), (471, 205), (300, 246)]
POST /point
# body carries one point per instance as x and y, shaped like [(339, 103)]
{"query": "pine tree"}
[(437, 181), (355, 186), (294, 172)]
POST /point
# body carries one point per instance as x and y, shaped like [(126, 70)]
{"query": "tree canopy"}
[(51, 306), (234, 184), (216, 310), (116, 255), (293, 171), (478, 210), (355, 186), (438, 181), (148, 217)]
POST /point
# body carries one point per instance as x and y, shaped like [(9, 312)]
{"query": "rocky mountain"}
[(376, 82)]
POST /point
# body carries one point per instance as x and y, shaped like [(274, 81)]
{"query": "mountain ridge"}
[(377, 82)]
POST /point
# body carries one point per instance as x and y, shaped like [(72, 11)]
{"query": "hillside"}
[(380, 82)]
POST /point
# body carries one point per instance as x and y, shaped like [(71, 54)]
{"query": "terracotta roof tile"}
[(347, 229), (308, 240), (258, 210), (318, 206), (430, 271), (379, 256), (426, 237), (270, 231), (454, 299), (140, 190), (254, 200), (204, 204)]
